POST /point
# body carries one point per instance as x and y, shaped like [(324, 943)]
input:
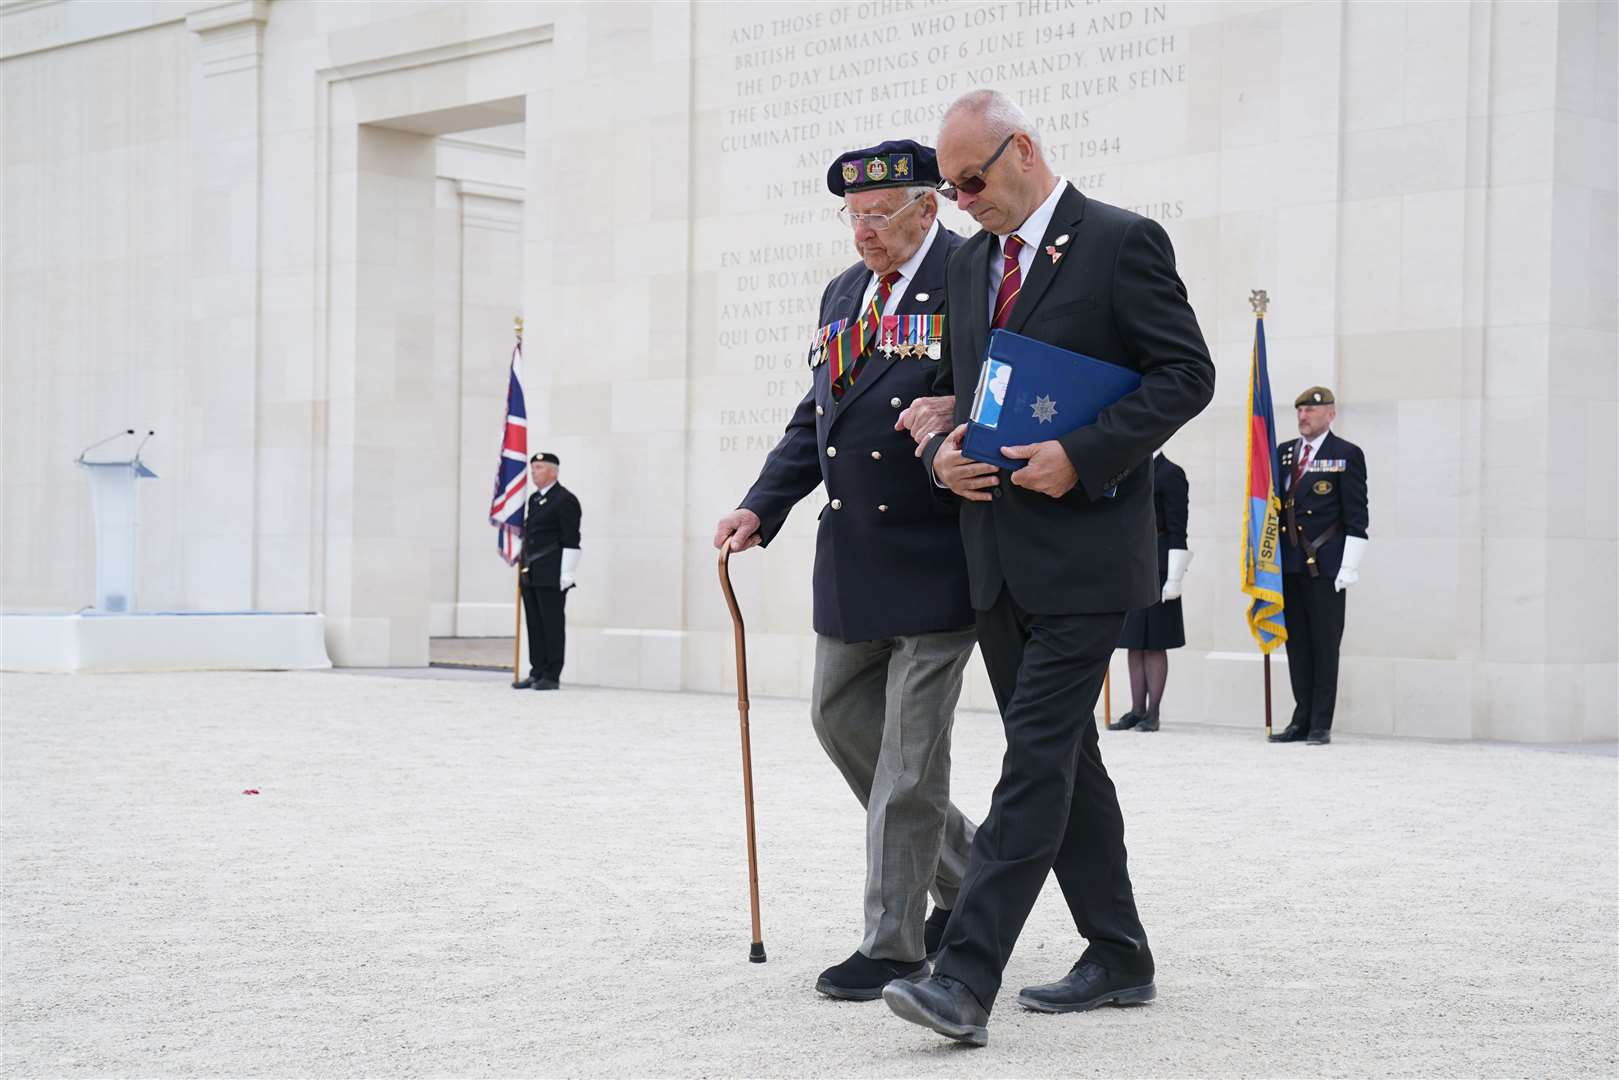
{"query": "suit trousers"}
[(1054, 807), (883, 711), (543, 611), (1315, 629)]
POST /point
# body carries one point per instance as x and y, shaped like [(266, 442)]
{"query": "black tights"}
[(1149, 670)]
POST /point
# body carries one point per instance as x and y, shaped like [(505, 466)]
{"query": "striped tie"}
[(1304, 463), (1011, 282), (870, 323)]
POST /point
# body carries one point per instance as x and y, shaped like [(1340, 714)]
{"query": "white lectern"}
[(112, 496)]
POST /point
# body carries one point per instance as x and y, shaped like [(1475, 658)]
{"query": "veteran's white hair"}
[(1001, 115)]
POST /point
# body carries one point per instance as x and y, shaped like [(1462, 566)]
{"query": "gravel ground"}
[(440, 876)]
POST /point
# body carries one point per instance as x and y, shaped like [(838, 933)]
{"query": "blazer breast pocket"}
[(1069, 308)]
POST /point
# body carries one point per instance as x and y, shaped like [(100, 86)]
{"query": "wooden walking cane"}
[(756, 951)]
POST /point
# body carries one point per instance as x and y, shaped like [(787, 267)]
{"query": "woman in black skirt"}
[(1150, 633)]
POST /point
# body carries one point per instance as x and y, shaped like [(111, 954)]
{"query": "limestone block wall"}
[(248, 226)]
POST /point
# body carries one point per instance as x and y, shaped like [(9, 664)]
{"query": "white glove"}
[(1179, 560), (570, 563), (1349, 569)]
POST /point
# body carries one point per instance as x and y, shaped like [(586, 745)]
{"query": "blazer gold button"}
[(837, 504), (831, 451), (882, 507), (876, 455), (894, 402)]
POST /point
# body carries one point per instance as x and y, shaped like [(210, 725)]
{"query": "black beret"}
[(900, 163), (549, 459)]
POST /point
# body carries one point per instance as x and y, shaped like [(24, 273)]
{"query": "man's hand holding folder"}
[(970, 479), (1048, 470)]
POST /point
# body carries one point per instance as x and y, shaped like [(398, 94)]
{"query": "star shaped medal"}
[(1044, 409)]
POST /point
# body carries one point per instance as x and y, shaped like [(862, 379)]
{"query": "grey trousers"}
[(883, 711)]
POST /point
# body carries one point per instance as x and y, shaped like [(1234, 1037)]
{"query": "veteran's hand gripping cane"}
[(756, 952)]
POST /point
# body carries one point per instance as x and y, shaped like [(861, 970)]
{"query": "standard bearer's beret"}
[(548, 458), (1316, 395), (900, 163)]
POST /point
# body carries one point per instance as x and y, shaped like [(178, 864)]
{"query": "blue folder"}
[(1030, 391)]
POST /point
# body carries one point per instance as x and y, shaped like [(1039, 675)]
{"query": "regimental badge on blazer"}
[(1322, 487)]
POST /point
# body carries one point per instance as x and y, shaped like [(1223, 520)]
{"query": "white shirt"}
[(1315, 448), (907, 271), (546, 488), (1031, 232)]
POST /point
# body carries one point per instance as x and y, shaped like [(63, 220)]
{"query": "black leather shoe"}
[(546, 684), (1088, 986), (1126, 722), (524, 685), (1292, 733), (860, 978), (1148, 723), (933, 932), (943, 1004), (1319, 737)]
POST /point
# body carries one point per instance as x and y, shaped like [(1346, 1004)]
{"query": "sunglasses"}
[(974, 184)]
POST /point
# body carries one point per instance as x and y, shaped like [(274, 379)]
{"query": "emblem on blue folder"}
[(1030, 391)]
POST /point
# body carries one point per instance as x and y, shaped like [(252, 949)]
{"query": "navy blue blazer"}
[(888, 556), (1331, 492)]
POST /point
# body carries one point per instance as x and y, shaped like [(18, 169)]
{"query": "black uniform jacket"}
[(1113, 294), (1171, 501), (888, 557), (1331, 491), (550, 523)]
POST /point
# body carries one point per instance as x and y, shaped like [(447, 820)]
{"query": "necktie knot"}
[(1014, 246), (891, 278)]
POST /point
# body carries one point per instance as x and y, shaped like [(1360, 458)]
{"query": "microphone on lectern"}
[(103, 442)]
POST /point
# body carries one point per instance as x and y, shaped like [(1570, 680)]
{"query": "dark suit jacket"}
[(1332, 490), (1171, 504), (888, 557), (1114, 295), (550, 523)]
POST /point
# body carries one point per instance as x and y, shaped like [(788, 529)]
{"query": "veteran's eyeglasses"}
[(975, 183), (880, 222)]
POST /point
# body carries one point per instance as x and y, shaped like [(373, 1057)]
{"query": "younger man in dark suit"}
[(1057, 552)]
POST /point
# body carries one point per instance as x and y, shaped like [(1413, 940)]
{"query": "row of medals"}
[(933, 350)]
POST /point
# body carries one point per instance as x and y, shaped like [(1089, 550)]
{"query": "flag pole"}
[(1107, 692), (517, 629), (1267, 695)]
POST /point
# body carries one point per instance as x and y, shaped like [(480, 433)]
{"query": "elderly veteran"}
[(892, 623), (1324, 520)]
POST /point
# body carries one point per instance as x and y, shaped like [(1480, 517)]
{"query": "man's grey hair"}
[(918, 190), (1000, 114)]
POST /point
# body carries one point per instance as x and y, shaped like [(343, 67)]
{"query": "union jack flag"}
[(511, 479)]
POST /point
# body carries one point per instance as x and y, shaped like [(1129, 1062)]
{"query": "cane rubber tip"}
[(756, 953)]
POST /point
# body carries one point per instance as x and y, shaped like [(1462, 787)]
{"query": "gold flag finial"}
[(517, 324), (1259, 300)]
